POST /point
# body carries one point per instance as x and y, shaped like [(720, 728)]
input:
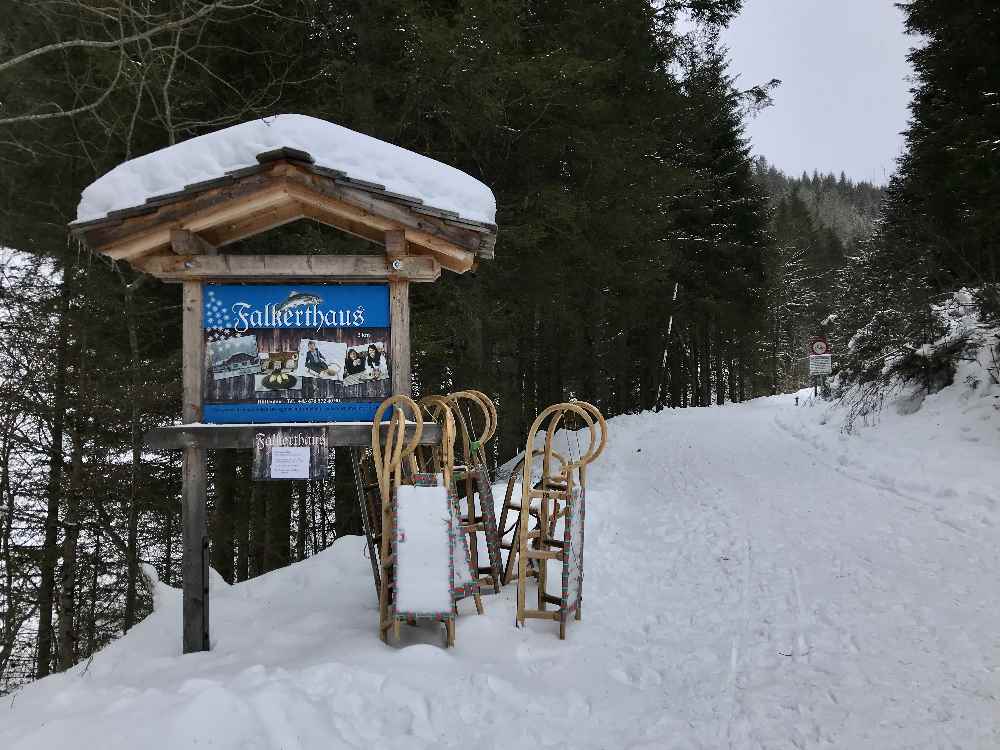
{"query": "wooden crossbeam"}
[(255, 223), (332, 211), (287, 267), (158, 237), (215, 436)]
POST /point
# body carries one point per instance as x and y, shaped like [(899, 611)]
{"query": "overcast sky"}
[(843, 98)]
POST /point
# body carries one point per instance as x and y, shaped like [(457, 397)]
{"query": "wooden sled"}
[(418, 527), (558, 494), (441, 460), (472, 482)]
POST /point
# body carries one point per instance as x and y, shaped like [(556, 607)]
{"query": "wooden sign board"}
[(290, 452), (304, 353)]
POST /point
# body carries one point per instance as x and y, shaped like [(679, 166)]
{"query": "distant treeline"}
[(816, 223)]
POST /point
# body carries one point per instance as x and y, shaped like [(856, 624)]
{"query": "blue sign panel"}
[(295, 353)]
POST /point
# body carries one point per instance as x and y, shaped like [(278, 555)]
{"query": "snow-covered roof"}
[(359, 156)]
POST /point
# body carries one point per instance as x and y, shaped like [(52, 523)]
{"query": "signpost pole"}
[(195, 564), (399, 316)]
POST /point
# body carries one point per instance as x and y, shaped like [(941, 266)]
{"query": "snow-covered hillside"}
[(755, 578)]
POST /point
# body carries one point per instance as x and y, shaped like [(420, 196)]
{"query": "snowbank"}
[(360, 156), (942, 444), (750, 582)]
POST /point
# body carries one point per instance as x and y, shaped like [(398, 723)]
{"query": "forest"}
[(646, 258)]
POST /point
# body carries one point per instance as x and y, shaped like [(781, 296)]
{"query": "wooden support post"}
[(195, 565), (399, 316)]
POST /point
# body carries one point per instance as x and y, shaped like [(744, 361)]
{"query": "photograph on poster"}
[(366, 362), (321, 359), (233, 357)]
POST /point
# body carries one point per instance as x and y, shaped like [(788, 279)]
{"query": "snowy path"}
[(852, 614), (749, 584)]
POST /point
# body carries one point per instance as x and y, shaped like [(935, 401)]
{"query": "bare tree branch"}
[(205, 10)]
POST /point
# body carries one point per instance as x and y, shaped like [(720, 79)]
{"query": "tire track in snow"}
[(738, 643)]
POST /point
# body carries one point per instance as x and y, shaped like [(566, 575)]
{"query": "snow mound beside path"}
[(362, 157)]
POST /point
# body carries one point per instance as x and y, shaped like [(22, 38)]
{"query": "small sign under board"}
[(290, 453), (821, 364)]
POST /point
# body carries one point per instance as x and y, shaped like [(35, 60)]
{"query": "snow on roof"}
[(360, 156)]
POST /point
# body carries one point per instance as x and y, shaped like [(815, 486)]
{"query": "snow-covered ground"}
[(754, 579)]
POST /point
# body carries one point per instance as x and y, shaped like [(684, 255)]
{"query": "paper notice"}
[(289, 463)]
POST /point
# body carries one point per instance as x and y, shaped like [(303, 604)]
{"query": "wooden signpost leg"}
[(196, 635), (399, 318)]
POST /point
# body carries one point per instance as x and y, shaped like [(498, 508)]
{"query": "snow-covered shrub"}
[(913, 355)]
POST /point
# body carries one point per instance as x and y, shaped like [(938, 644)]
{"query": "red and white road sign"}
[(820, 346)]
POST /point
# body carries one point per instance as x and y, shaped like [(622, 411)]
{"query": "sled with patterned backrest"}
[(476, 421), (440, 460), (557, 499), (417, 524)]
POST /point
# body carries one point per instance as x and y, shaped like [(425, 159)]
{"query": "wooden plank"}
[(273, 267), (212, 437), (379, 212), (184, 242), (448, 256), (339, 214), (399, 316), (158, 236), (101, 233), (256, 223), (195, 563), (423, 217), (193, 354), (349, 225)]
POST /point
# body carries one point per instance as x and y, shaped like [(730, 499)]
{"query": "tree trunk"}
[(706, 367), (323, 513), (242, 521), (279, 522), (11, 622), (313, 492), (50, 551), (258, 529), (303, 522), (68, 640), (720, 373), (168, 546), (693, 359), (132, 534), (346, 508), (224, 521), (94, 578)]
